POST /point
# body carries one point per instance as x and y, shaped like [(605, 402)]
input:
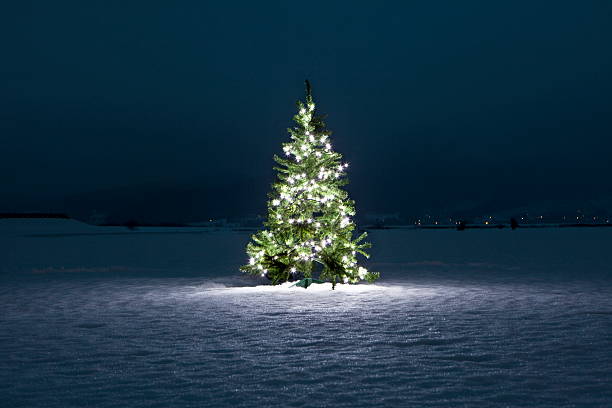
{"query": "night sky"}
[(173, 110)]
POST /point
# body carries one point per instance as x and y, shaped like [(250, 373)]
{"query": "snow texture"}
[(158, 317)]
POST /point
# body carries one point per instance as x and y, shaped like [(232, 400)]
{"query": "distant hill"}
[(34, 215)]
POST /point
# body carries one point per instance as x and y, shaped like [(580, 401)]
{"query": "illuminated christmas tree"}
[(309, 214)]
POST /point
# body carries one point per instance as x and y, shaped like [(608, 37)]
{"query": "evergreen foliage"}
[(309, 214)]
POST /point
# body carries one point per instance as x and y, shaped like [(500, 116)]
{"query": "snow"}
[(105, 317)]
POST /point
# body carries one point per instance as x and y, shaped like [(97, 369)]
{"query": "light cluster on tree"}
[(309, 214)]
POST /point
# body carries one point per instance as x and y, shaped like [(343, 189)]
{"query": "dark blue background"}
[(168, 110)]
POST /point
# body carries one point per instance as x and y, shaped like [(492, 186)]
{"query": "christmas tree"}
[(309, 214)]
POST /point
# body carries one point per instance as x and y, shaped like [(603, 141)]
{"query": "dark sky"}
[(173, 110)]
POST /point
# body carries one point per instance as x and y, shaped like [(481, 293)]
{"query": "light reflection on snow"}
[(317, 298), (314, 288)]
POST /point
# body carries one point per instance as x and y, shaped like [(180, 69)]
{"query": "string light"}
[(310, 211)]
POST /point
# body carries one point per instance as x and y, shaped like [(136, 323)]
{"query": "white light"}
[(252, 261), (275, 202), (345, 221), (327, 146)]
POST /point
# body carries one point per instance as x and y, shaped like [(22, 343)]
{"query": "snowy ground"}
[(105, 317)]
